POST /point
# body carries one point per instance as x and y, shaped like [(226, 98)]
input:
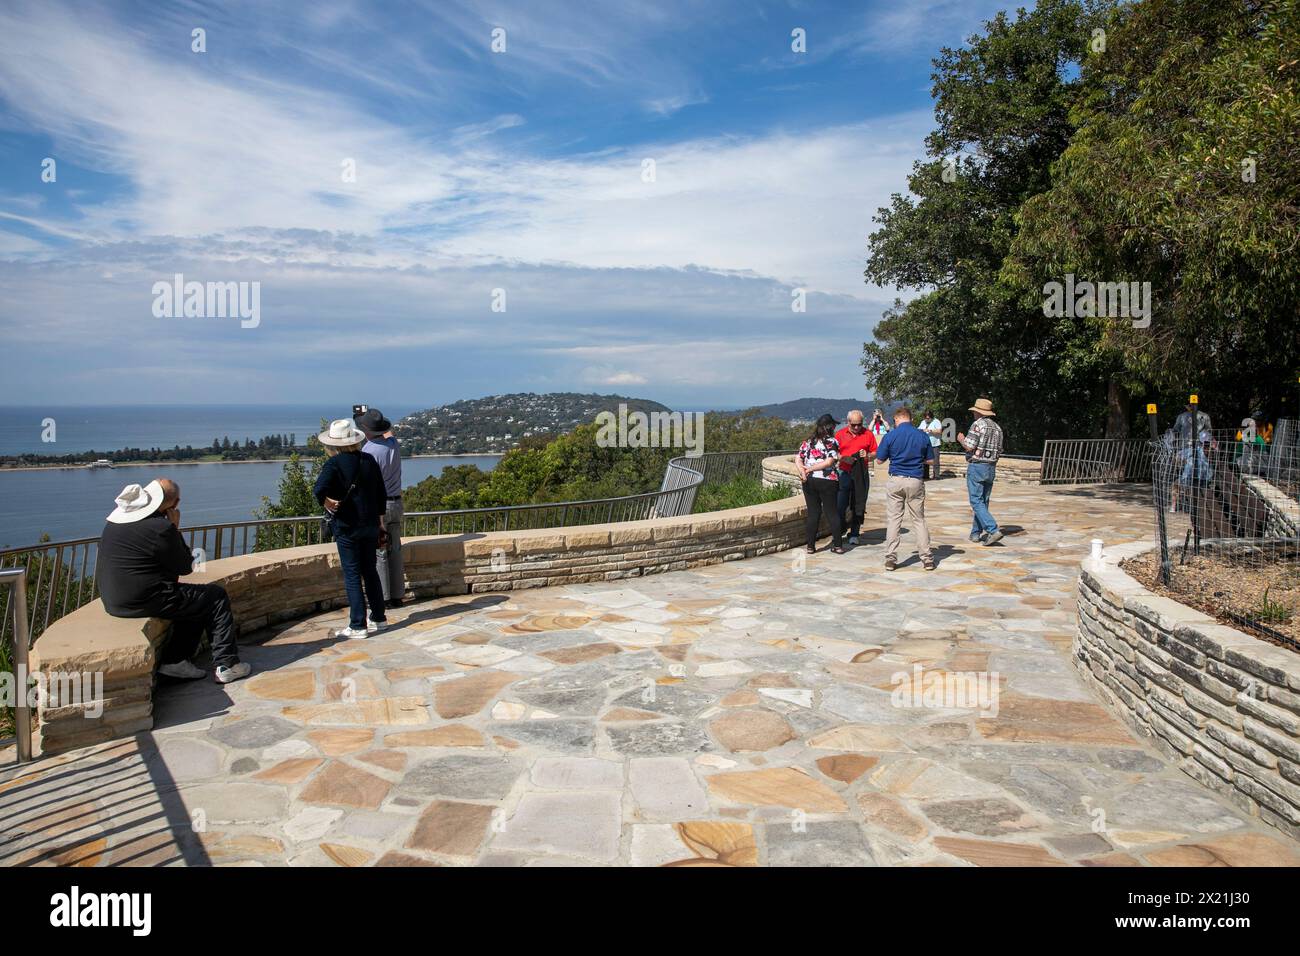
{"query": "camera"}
[(359, 410)]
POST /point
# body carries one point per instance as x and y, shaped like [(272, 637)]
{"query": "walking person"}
[(907, 449), (817, 459), (857, 452), (933, 428), (351, 489), (386, 450), (138, 565), (983, 449)]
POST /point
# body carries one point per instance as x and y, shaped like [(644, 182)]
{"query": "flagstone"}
[(452, 735), (346, 855), (581, 824), (339, 784), (846, 767), (293, 770), (451, 828), (385, 759), (751, 730), (776, 786), (336, 743), (387, 711), (581, 653), (297, 684), (889, 814), (469, 694), (665, 789), (993, 853)]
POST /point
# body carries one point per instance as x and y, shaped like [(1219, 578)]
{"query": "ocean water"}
[(80, 428)]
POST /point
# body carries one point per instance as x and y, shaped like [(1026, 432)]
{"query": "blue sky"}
[(520, 170)]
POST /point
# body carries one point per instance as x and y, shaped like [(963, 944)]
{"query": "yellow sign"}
[(1193, 400), (1151, 409)]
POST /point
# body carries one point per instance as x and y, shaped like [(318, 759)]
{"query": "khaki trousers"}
[(906, 493)]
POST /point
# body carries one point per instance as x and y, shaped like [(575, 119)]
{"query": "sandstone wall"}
[(1225, 704)]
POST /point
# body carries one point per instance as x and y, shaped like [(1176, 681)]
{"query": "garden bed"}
[(1263, 599)]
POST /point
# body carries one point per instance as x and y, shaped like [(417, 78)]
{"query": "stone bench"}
[(276, 586)]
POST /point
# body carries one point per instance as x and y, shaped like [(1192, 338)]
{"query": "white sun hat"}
[(342, 433), (136, 502)]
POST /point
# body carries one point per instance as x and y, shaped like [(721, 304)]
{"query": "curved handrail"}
[(62, 573)]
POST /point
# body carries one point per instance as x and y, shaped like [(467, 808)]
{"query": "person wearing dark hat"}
[(140, 558), (817, 461), (385, 449), (983, 449), (351, 489)]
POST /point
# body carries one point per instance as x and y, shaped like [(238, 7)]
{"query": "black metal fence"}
[(1228, 528)]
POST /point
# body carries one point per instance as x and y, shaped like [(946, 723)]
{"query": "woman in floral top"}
[(817, 460)]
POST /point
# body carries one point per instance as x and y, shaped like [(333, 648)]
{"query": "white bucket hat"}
[(342, 433), (136, 502)]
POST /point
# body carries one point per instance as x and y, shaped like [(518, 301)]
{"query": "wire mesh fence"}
[(1228, 526)]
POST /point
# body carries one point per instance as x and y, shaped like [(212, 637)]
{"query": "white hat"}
[(135, 503), (342, 433)]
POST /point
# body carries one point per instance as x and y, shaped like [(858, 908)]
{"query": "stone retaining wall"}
[(1225, 704), (290, 583)]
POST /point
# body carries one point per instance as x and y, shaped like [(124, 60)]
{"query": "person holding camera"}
[(138, 566), (351, 489), (384, 448)]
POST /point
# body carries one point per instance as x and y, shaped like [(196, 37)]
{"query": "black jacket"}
[(368, 500), (138, 563)]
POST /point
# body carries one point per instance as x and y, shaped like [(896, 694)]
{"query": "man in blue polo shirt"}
[(907, 449)]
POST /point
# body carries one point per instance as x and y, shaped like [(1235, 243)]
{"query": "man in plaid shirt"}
[(983, 449)]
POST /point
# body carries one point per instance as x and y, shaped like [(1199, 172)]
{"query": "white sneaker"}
[(182, 670), (353, 633), (375, 626), (225, 675)]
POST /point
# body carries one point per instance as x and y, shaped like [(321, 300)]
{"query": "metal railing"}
[(1092, 460), (15, 579), (61, 574)]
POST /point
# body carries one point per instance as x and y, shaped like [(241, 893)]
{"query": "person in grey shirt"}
[(386, 450)]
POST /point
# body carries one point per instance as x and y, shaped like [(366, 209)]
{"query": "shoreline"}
[(244, 461)]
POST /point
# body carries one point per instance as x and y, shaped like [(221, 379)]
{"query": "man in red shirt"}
[(857, 452)]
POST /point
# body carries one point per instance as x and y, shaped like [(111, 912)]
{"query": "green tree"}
[(1002, 104), (295, 499), (1184, 172)]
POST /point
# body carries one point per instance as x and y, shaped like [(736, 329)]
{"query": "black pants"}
[(820, 495), (193, 609), (360, 572), (846, 501)]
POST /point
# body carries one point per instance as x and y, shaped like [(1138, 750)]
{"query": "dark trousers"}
[(357, 546), (820, 495), (844, 501), (193, 609)]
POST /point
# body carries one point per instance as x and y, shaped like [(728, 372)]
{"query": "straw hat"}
[(983, 406), (342, 434), (136, 502)]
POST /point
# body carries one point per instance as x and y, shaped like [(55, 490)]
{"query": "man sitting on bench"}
[(141, 558)]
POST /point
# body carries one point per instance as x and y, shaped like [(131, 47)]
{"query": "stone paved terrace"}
[(739, 714)]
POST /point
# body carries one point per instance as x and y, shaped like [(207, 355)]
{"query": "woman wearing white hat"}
[(351, 489), (139, 561)]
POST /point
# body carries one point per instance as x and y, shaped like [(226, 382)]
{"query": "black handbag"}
[(327, 520)]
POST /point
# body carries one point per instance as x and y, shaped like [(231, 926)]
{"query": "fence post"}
[(1194, 447), (1158, 499)]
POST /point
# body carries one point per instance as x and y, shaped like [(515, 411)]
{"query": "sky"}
[(441, 200)]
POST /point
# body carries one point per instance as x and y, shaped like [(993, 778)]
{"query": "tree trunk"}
[(1117, 410)]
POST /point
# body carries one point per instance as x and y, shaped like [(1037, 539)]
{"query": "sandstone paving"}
[(739, 714)]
